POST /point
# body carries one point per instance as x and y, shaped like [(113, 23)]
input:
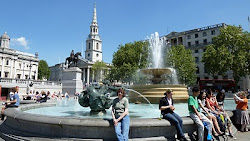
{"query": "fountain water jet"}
[(159, 75)]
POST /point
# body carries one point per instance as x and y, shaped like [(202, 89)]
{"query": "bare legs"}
[(215, 125)]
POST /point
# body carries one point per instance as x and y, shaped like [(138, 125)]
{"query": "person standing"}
[(13, 103), (197, 116), (241, 111), (167, 110), (120, 115)]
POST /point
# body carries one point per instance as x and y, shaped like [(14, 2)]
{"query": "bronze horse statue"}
[(73, 59)]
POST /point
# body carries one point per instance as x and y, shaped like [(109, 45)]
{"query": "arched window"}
[(97, 46), (89, 45), (88, 55), (97, 54)]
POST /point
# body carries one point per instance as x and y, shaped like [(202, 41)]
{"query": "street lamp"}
[(28, 83)]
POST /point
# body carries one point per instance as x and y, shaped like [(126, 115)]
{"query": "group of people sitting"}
[(207, 111), (43, 96)]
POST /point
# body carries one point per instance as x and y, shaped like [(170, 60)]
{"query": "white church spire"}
[(94, 43), (94, 21)]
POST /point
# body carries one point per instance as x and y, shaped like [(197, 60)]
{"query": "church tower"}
[(5, 41), (94, 43)]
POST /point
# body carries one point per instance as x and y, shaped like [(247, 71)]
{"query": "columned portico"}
[(88, 71), (3, 65)]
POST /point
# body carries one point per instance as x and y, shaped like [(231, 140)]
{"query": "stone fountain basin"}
[(85, 128), (156, 71), (30, 125)]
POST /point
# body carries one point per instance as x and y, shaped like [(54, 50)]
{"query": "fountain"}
[(158, 75), (70, 122)]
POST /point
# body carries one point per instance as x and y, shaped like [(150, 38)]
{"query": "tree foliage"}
[(43, 70), (182, 60), (230, 51), (128, 59), (99, 65)]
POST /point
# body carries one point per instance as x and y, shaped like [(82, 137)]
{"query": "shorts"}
[(11, 106)]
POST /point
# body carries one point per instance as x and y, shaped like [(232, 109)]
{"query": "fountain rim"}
[(19, 114), (85, 128)]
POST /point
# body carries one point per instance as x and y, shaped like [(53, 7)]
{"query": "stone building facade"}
[(15, 66), (197, 40)]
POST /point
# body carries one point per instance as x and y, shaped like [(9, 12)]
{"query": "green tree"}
[(231, 51), (182, 60), (98, 67), (128, 59), (43, 70)]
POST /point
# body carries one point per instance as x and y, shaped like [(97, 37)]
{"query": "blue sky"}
[(54, 27)]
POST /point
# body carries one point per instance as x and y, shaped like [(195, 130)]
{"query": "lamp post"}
[(30, 66)]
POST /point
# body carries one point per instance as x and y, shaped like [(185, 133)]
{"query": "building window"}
[(196, 43), (6, 74), (225, 77), (213, 32), (196, 51), (204, 34), (33, 77), (196, 35), (189, 44), (205, 70), (198, 79), (26, 76), (97, 54), (88, 55), (196, 59), (18, 76), (197, 70), (215, 77), (97, 46), (205, 41), (7, 62), (206, 77), (20, 65), (204, 50), (89, 45), (188, 36)]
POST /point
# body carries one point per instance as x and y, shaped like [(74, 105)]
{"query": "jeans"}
[(122, 129), (175, 119), (200, 125)]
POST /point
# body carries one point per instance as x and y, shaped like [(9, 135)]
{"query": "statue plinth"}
[(71, 80)]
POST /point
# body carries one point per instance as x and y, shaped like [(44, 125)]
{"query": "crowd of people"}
[(42, 96), (205, 109)]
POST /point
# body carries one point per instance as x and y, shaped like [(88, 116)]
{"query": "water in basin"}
[(71, 108)]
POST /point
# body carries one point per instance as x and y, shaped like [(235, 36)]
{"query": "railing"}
[(26, 81)]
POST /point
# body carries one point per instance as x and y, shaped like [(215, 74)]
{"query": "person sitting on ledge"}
[(167, 110), (120, 115), (197, 116), (13, 103)]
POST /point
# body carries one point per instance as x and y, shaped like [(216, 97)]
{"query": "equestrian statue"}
[(73, 58)]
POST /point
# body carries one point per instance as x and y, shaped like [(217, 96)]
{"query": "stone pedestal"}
[(71, 81)]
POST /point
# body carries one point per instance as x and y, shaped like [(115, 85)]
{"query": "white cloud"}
[(20, 42)]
